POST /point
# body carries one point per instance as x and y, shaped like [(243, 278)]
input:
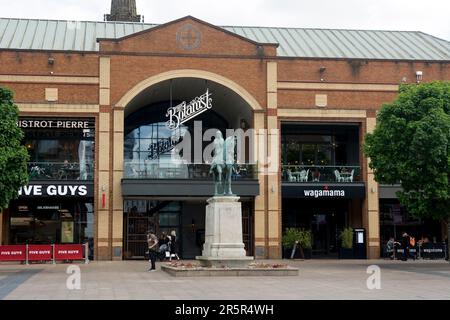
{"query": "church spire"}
[(123, 10)]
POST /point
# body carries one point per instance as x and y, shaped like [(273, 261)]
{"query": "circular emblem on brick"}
[(189, 37)]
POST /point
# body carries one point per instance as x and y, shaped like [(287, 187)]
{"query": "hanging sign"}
[(186, 111)]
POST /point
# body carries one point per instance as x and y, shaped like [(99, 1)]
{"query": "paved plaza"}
[(318, 279)]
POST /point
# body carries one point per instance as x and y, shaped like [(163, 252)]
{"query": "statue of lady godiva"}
[(222, 165)]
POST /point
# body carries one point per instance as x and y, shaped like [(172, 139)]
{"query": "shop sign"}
[(40, 252), (69, 252), (12, 253), (325, 193), (53, 124), (187, 111), (311, 191), (56, 190), (162, 146)]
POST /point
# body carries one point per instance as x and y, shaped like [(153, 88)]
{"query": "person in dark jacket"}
[(174, 247), (405, 245), (153, 249)]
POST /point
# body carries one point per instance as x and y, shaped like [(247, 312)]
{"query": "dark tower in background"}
[(123, 10)]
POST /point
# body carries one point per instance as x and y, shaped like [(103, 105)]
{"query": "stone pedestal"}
[(223, 234)]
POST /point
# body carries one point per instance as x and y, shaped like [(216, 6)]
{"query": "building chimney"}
[(123, 10)]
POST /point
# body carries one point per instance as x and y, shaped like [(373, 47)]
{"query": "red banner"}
[(13, 253), (40, 252), (69, 252)]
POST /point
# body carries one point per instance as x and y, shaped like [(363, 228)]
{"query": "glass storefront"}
[(60, 148), (320, 153), (150, 146), (47, 221), (325, 219), (57, 206), (141, 216), (395, 219), (320, 145)]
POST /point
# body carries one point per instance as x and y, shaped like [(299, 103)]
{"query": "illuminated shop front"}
[(57, 206)]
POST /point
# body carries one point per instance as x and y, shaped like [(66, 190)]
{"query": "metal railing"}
[(142, 170), (61, 171), (337, 174)]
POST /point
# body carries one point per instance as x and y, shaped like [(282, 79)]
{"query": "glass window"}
[(149, 143), (60, 151), (46, 222)]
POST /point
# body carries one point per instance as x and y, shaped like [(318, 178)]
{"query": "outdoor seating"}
[(291, 177), (338, 176), (303, 176), (348, 177)]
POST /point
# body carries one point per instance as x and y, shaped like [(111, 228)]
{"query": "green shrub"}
[(347, 238), (292, 235)]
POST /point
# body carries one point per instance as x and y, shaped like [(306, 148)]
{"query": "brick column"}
[(273, 178), (103, 216), (261, 238), (371, 218), (117, 201)]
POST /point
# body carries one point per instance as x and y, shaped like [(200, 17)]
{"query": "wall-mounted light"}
[(419, 76), (322, 71), (51, 61)]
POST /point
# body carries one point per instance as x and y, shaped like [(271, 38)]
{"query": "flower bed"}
[(255, 265), (268, 266), (184, 265)]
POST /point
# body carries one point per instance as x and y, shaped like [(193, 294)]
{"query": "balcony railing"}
[(61, 171), (336, 174), (142, 170)]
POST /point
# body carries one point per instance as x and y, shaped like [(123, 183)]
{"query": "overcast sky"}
[(430, 16)]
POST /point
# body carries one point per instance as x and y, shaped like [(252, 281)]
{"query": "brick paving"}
[(318, 279)]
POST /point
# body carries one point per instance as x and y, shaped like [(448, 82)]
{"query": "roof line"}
[(228, 26)]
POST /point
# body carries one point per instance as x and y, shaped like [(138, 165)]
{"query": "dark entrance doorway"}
[(325, 218), (141, 216)]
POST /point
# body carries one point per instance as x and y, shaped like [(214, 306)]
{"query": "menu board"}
[(67, 228)]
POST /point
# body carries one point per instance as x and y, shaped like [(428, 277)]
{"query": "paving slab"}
[(317, 279)]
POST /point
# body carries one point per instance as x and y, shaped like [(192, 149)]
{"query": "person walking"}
[(405, 245), (153, 248), (392, 246), (174, 245)]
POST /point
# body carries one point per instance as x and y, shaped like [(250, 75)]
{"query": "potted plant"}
[(299, 238), (306, 243), (346, 250)]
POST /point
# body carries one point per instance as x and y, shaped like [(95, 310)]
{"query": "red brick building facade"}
[(108, 84)]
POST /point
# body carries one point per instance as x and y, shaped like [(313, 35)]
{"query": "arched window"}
[(150, 147)]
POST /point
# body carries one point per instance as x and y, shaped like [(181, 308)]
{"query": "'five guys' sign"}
[(57, 252)]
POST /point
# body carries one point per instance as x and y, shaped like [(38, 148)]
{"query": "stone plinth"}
[(231, 272), (223, 234)]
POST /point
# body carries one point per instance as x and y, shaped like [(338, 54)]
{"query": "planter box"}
[(346, 253), (230, 272)]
